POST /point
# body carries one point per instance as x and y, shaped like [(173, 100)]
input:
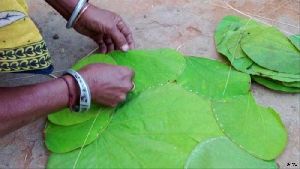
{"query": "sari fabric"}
[(22, 48)]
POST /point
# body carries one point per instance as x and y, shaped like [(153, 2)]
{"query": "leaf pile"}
[(271, 58), (184, 113)]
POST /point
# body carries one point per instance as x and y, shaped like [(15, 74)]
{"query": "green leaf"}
[(62, 139), (284, 77), (271, 84), (291, 84), (256, 129), (157, 129), (235, 54), (92, 59), (295, 39), (231, 23), (213, 79), (221, 153), (270, 49), (65, 117), (230, 47), (152, 67)]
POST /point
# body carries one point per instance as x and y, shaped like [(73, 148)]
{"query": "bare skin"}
[(106, 28), (109, 84)]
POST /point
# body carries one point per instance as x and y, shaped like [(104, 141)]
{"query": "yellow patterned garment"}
[(22, 48)]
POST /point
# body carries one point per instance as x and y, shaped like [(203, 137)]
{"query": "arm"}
[(64, 7), (106, 28), (22, 105)]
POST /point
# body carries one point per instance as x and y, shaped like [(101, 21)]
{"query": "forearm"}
[(64, 7), (22, 105)]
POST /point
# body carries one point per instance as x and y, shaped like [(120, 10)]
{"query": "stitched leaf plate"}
[(157, 129), (213, 79), (152, 67), (221, 153), (254, 128)]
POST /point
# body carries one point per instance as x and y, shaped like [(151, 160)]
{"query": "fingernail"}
[(125, 48)]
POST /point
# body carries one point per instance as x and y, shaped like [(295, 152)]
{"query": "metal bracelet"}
[(75, 13), (82, 11), (85, 94)]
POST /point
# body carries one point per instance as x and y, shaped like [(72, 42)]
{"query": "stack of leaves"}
[(185, 112), (271, 58)]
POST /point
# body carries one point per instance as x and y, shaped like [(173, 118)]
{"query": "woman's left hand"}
[(106, 28)]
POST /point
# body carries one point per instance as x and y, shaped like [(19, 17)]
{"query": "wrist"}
[(74, 91), (81, 6), (81, 14)]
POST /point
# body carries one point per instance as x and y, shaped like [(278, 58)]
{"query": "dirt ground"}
[(186, 25)]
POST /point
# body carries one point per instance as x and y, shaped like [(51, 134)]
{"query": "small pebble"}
[(55, 36)]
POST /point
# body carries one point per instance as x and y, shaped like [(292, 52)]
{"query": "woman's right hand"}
[(108, 84)]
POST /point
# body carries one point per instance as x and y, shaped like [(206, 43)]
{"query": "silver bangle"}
[(81, 13), (75, 13), (85, 94)]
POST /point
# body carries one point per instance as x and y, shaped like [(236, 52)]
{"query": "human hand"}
[(108, 84), (106, 28)]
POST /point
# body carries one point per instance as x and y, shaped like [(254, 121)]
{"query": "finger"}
[(109, 44), (119, 40), (127, 33), (102, 46)]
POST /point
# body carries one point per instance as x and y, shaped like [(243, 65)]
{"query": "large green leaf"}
[(152, 67), (221, 153), (271, 84), (61, 139), (65, 117), (213, 79), (295, 39), (270, 49), (256, 129), (157, 129)]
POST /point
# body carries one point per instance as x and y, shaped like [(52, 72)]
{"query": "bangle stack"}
[(80, 8), (85, 94)]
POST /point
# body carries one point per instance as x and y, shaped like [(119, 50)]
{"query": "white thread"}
[(85, 140)]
